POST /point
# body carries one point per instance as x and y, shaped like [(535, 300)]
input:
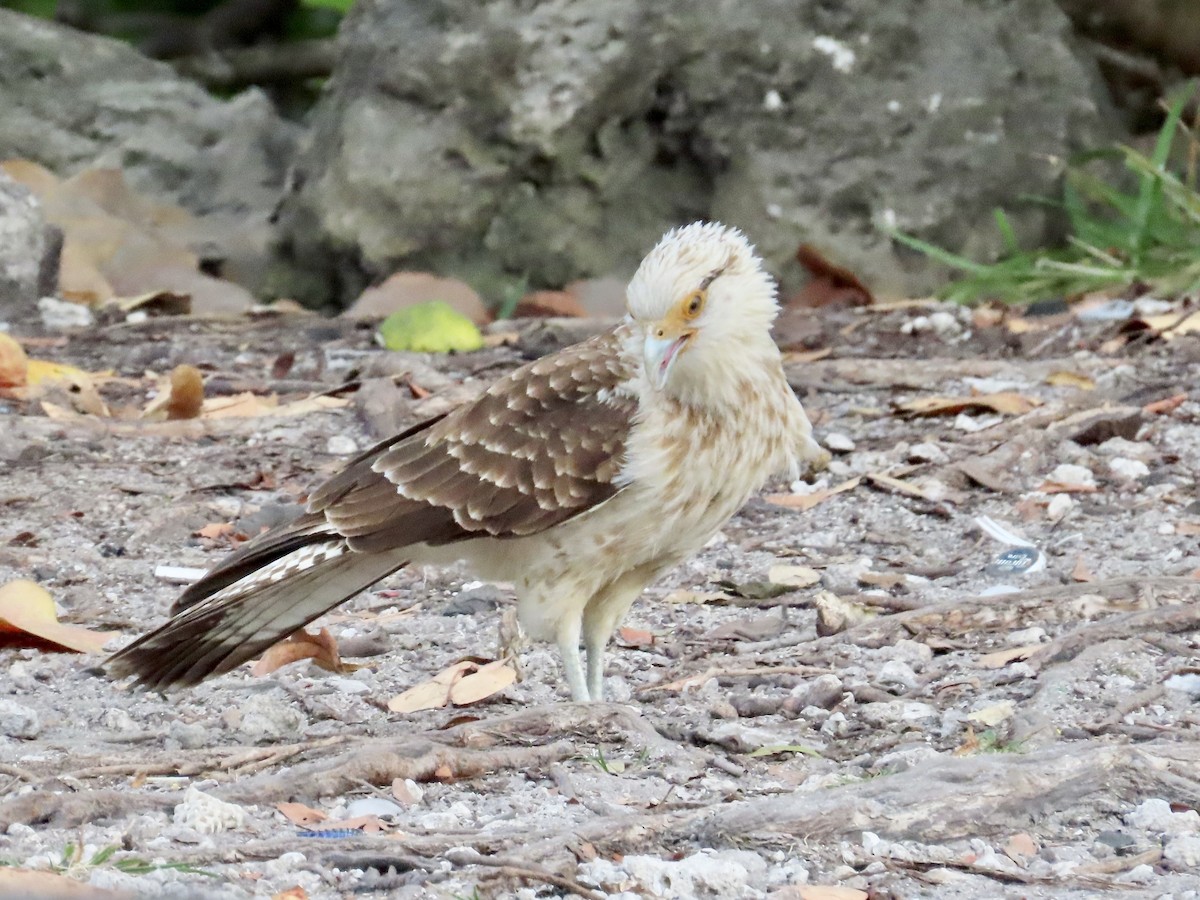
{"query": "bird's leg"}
[(568, 648), (595, 666)]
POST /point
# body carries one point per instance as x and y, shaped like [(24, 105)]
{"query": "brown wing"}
[(540, 446), (543, 444)]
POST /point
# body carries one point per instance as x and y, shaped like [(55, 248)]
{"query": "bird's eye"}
[(694, 305)]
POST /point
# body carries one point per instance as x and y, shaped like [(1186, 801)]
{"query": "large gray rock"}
[(558, 139), (22, 254), (71, 101)]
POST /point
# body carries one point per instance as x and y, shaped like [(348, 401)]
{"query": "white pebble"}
[(18, 721), (927, 451), (341, 445), (839, 442), (1059, 506), (1072, 474), (1183, 852), (1128, 469)]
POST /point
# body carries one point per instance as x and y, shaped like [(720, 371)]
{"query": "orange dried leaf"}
[(292, 893), (215, 531), (1081, 572), (808, 501), (299, 814), (998, 659), (187, 393), (1063, 487), (40, 883), (635, 637), (1064, 378), (1008, 403), (321, 648), (14, 365), (490, 679), (1167, 405), (26, 609)]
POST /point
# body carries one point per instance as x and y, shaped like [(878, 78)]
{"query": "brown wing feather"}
[(540, 446)]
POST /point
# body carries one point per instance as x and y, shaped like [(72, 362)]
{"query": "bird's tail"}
[(241, 620)]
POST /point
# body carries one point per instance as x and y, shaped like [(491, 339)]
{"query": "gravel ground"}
[(918, 722)]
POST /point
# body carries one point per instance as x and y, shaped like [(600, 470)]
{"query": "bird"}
[(580, 478)]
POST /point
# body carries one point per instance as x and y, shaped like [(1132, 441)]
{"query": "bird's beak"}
[(660, 354)]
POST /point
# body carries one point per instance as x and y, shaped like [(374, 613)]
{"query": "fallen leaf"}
[(551, 304), (808, 501), (462, 683), (998, 659), (321, 648), (1187, 527), (33, 883), (635, 637), (793, 576), (1065, 378), (27, 609), (1170, 325), (886, 580), (215, 531), (489, 680), (292, 893), (1081, 572), (299, 814), (1020, 847), (1062, 487), (248, 404), (14, 364), (829, 284), (180, 397), (1167, 405), (406, 289), (681, 596), (991, 716), (776, 749), (402, 792), (898, 486), (1008, 403), (835, 615)]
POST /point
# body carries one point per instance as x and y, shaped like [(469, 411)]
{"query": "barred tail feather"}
[(240, 621)]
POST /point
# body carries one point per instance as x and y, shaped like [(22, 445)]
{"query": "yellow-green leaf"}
[(433, 327)]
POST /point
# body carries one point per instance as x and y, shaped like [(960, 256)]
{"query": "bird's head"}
[(700, 298)]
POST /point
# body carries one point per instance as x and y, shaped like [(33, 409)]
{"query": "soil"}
[(917, 722)]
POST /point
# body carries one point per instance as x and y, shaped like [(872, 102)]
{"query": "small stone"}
[(945, 324), (1142, 874), (206, 814), (893, 712), (1059, 506), (18, 721), (1034, 634), (1119, 446), (897, 672), (1183, 853), (373, 806), (190, 735), (824, 691), (1155, 815), (60, 315), (341, 445), (265, 718), (1188, 682), (836, 725), (116, 719), (1072, 474), (1128, 469), (928, 452), (285, 864), (839, 443)]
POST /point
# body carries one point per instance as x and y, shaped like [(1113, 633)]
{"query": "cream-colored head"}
[(701, 299)]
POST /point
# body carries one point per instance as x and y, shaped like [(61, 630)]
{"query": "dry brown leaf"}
[(550, 304), (14, 364), (808, 501), (1081, 572), (215, 531), (1008, 403), (635, 637), (998, 659), (1187, 528), (898, 486), (248, 404), (1170, 325), (33, 883), (793, 576), (299, 814), (824, 892), (829, 284), (26, 609), (1065, 378), (1020, 847), (402, 792), (462, 683), (489, 680), (1063, 487), (1168, 405), (179, 397), (292, 893), (321, 648)]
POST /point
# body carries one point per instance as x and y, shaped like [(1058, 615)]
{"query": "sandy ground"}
[(957, 731)]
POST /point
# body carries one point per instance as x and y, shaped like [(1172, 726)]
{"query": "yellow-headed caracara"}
[(580, 478)]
